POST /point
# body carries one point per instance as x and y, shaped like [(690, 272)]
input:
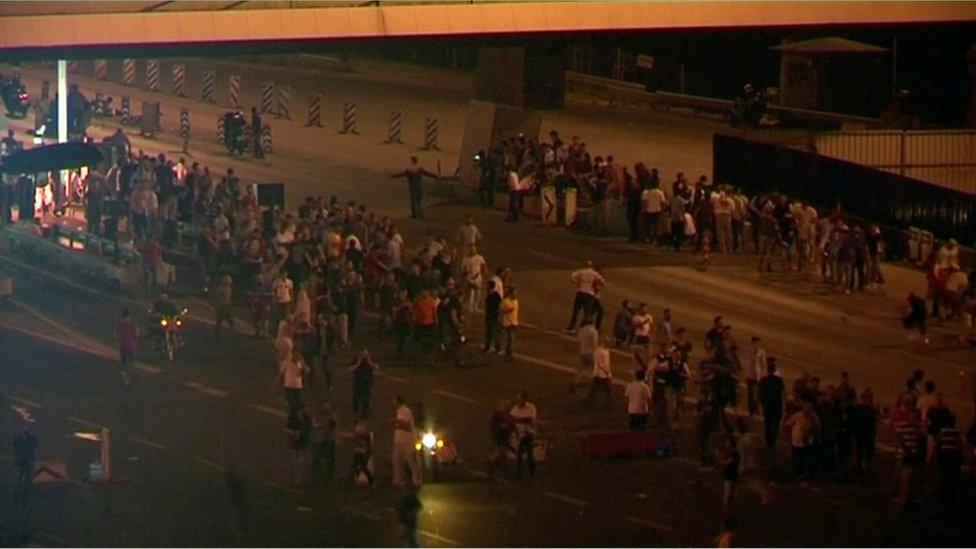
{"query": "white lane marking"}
[(68, 282), (268, 410), (284, 488), (558, 367), (148, 368), (392, 378), (148, 443), (358, 513), (200, 388), (26, 402), (571, 337), (650, 523), (455, 396), (438, 537), (567, 499), (80, 421), (208, 463)]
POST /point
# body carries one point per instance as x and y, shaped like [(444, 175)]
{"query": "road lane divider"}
[(284, 488), (268, 410), (650, 523), (149, 443), (360, 513), (25, 402), (392, 378), (438, 537), (200, 388), (211, 464), (455, 396), (565, 499), (83, 422)]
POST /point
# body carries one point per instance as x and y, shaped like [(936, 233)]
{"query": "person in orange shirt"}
[(508, 313), (425, 319)]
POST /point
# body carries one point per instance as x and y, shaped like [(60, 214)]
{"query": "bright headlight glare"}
[(429, 440)]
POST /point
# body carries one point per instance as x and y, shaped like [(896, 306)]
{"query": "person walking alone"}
[(509, 314), (404, 455), (771, 389), (587, 281), (414, 175)]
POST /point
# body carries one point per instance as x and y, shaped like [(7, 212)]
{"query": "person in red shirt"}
[(127, 334), (152, 256), (425, 319)]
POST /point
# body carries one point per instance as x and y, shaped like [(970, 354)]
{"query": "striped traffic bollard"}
[(349, 119), (266, 144), (220, 129), (267, 97), (430, 135), (129, 72), (284, 102), (152, 75), (315, 111), (124, 109), (185, 128), (179, 80), (45, 90), (395, 130), (101, 69), (209, 78), (98, 105), (73, 66), (234, 87)]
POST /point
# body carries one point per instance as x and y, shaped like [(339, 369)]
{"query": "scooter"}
[(168, 338), (436, 455)]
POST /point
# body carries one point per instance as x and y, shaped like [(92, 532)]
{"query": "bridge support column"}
[(971, 60)]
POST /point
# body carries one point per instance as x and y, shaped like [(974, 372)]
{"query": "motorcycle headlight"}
[(429, 440), (179, 323), (163, 322), (418, 446), (440, 443)]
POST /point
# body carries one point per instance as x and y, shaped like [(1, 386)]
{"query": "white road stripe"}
[(148, 443), (567, 499), (80, 421), (455, 396), (392, 378), (559, 367), (438, 537), (268, 410), (208, 463), (200, 388), (284, 488), (26, 402), (650, 523), (359, 513)]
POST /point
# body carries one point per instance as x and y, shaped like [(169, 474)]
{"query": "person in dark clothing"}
[(25, 448), (948, 457), (493, 301), (415, 175), (771, 389), (502, 426), (917, 315), (708, 421), (407, 510), (860, 249), (363, 376), (863, 421), (256, 132)]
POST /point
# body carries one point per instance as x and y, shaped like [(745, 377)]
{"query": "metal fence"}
[(943, 157), (894, 201)]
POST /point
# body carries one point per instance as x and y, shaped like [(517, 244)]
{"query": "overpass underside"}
[(80, 29)]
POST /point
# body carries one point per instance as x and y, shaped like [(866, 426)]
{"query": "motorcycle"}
[(167, 333), (436, 455), (15, 99)]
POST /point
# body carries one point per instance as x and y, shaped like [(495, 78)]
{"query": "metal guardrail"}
[(622, 93), (943, 157)]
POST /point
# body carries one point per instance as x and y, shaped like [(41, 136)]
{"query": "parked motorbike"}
[(436, 455), (167, 329), (15, 98)]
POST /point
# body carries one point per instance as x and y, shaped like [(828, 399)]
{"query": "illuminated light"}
[(163, 322), (440, 443), (429, 440), (179, 322), (417, 446)]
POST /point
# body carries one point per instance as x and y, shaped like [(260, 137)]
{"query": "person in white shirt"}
[(404, 454), (467, 236), (524, 414), (653, 201), (474, 273), (643, 322), (756, 371), (291, 373), (281, 293), (638, 396), (724, 207), (179, 173), (588, 282), (588, 337), (665, 331), (806, 233), (602, 374)]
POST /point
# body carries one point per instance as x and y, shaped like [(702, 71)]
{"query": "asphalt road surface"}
[(180, 427)]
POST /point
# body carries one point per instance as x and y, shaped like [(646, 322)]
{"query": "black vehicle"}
[(15, 98)]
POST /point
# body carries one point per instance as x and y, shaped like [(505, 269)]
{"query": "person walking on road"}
[(25, 449), (588, 338), (324, 429), (223, 297), (256, 127), (755, 372), (493, 302), (408, 508), (638, 395), (291, 372), (602, 374), (363, 377), (414, 175), (587, 281), (404, 454), (524, 414), (509, 314), (502, 426), (127, 334), (771, 389)]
